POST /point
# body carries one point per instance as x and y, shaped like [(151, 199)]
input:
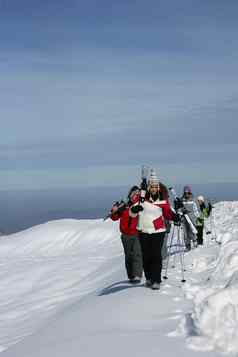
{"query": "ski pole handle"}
[(143, 189), (143, 186)]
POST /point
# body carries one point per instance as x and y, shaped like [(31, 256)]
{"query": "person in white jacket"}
[(152, 228)]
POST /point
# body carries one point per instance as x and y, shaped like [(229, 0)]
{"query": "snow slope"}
[(64, 293), (48, 267)]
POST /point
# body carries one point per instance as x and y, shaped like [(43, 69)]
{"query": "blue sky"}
[(90, 91)]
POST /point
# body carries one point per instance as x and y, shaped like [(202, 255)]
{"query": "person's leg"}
[(200, 234), (127, 245), (192, 236), (144, 240), (137, 264), (157, 240), (187, 241)]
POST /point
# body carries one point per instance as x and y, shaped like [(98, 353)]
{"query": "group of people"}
[(144, 223)]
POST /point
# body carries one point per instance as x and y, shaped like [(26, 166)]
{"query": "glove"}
[(143, 189), (184, 210), (199, 220), (143, 185), (136, 209), (177, 218), (178, 203), (121, 208)]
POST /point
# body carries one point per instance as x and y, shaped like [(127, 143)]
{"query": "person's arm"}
[(135, 209), (169, 214), (209, 208), (116, 211), (196, 210), (114, 216), (163, 191), (206, 211)]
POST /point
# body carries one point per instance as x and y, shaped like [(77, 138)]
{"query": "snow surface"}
[(64, 292)]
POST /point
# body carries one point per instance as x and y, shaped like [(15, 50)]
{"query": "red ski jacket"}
[(127, 223)]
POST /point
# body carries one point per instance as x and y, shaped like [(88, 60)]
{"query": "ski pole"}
[(169, 253), (181, 256)]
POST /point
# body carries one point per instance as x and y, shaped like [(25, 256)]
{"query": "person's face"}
[(134, 197), (154, 189), (187, 194)]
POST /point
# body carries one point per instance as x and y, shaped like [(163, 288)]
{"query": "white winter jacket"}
[(152, 218)]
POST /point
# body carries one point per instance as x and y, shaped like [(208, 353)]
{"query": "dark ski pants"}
[(151, 246), (200, 234), (133, 256)]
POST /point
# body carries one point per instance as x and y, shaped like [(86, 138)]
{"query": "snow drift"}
[(64, 293), (215, 294)]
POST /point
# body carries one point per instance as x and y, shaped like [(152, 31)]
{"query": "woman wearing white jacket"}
[(152, 228)]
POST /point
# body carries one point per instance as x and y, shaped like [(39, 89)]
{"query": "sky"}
[(64, 292), (91, 91)]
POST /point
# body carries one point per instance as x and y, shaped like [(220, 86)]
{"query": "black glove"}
[(143, 189), (178, 203), (177, 218), (136, 209), (143, 185), (184, 210)]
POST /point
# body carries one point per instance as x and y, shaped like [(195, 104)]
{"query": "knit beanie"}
[(201, 198), (153, 179), (187, 189)]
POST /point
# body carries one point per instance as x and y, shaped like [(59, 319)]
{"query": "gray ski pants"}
[(189, 236), (133, 256)]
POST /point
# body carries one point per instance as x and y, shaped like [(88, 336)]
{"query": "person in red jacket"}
[(129, 236)]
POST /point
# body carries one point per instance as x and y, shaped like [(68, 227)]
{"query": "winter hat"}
[(133, 189), (153, 179), (201, 198), (187, 189)]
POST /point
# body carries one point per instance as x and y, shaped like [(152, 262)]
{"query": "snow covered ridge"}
[(48, 267), (213, 323), (63, 289)]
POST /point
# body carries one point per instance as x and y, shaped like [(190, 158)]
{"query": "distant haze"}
[(23, 209)]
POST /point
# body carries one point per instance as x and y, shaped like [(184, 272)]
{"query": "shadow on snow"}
[(118, 286)]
